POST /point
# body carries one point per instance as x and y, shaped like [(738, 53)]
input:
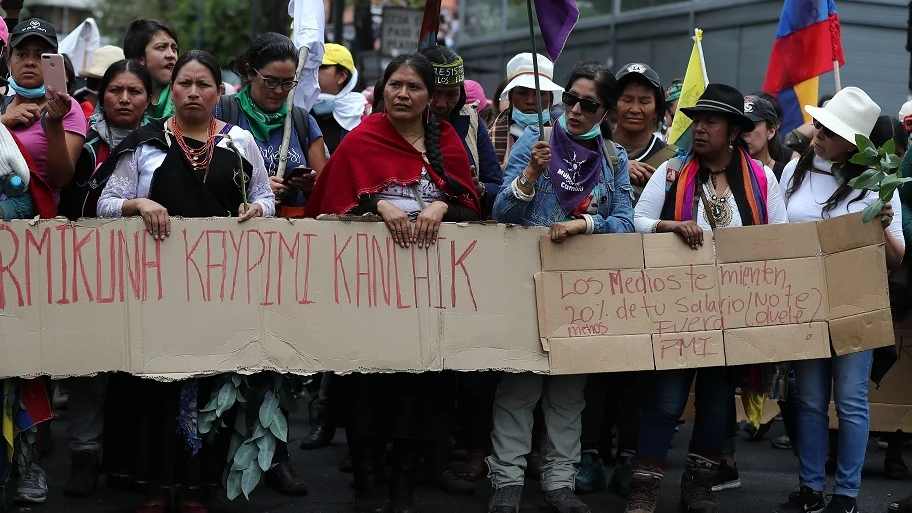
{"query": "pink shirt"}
[(34, 139)]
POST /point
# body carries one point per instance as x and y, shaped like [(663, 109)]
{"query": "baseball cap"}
[(759, 109), (636, 68), (337, 54), (34, 27)]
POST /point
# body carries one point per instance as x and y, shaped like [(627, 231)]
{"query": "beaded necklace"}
[(199, 158)]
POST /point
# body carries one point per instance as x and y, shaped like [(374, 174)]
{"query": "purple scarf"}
[(574, 169)]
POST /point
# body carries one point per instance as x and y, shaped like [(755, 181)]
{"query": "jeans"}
[(665, 403), (87, 406), (514, 402), (847, 377)]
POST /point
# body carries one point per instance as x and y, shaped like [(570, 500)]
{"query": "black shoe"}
[(804, 500), (321, 435), (901, 506), (563, 500), (841, 504), (283, 479), (83, 475), (727, 478), (505, 500)]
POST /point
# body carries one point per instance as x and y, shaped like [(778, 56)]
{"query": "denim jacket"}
[(615, 210)]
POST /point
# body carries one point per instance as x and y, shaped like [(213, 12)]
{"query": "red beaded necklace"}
[(199, 158)]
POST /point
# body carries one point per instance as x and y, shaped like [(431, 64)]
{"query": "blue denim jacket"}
[(615, 210)]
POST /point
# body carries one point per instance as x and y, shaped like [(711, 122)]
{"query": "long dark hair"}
[(606, 86), (775, 148), (425, 70), (125, 66), (202, 57), (849, 171), (886, 128), (140, 32), (262, 51)]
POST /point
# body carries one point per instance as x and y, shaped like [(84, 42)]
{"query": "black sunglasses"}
[(570, 100), (272, 82), (826, 131)]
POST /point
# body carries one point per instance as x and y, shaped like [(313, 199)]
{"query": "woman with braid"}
[(414, 173)]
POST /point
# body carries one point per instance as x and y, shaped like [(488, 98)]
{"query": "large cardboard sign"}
[(770, 293)]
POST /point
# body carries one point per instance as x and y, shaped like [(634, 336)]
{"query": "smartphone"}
[(54, 71), (297, 172)]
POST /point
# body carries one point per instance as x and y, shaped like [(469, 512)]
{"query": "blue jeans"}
[(665, 403), (847, 377)]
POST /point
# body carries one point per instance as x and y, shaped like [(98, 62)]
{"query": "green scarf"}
[(164, 108), (261, 123)]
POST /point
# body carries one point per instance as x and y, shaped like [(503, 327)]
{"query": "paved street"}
[(768, 475)]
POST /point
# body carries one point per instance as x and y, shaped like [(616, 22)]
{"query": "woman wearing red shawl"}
[(716, 185), (404, 167)]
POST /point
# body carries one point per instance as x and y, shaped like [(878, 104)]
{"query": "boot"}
[(439, 472), (322, 430), (643, 491), (83, 475), (406, 455), (563, 500), (474, 467), (368, 472), (696, 485), (505, 499)]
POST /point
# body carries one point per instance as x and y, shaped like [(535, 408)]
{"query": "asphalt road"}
[(768, 476)]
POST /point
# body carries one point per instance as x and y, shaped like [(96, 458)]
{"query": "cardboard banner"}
[(306, 296)]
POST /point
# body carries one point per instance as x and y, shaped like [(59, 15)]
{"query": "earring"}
[(730, 148), (427, 114)]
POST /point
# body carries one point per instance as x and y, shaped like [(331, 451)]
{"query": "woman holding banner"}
[(813, 193), (716, 185), (592, 196)]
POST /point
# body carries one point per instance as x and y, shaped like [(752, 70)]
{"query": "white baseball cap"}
[(522, 74)]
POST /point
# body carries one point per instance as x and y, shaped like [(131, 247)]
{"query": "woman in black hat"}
[(717, 184), (761, 140)]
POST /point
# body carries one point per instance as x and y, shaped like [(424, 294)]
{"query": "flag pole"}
[(698, 38), (836, 75), (289, 104), (538, 93)]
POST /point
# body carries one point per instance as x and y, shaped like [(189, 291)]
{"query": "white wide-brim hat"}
[(521, 73), (851, 112)]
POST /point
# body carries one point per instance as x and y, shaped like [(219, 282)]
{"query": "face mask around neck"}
[(593, 132), (25, 92), (526, 120)]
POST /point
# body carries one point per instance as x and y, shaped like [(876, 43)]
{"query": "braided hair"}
[(423, 67)]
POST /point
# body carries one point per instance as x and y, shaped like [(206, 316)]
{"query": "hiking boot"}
[(804, 500), (591, 475), (563, 500), (620, 478), (841, 504), (645, 482), (901, 506), (505, 499), (727, 478), (696, 485), (83, 474), (781, 442), (474, 467), (322, 430), (33, 487), (448, 480)]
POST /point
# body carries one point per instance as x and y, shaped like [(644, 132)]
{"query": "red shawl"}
[(42, 195), (374, 156)]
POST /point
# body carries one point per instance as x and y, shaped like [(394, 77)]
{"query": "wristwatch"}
[(525, 182)]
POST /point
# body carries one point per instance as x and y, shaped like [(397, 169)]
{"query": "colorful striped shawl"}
[(753, 173)]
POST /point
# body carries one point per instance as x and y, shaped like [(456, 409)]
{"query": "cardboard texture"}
[(601, 354), (666, 250), (777, 343), (772, 241), (688, 350), (618, 251)]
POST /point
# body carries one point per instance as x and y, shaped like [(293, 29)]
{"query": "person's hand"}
[(397, 221), (639, 172), (278, 188), (690, 232), (304, 183), (886, 216), (58, 104), (428, 224), (562, 231), (479, 187), (541, 157), (158, 222), (23, 114), (252, 210)]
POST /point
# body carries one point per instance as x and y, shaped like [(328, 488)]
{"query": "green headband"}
[(449, 74), (674, 92)]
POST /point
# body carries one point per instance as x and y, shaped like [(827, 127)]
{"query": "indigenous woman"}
[(716, 185), (178, 167), (403, 166), (153, 44), (539, 191)]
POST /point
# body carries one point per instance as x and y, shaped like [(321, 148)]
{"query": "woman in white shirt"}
[(716, 185), (813, 192)]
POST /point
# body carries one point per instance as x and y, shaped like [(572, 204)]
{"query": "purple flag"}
[(556, 19)]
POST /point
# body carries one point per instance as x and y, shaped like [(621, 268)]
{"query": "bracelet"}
[(655, 226), (525, 182), (520, 195)]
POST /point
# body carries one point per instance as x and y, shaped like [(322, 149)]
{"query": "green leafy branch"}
[(259, 423), (880, 177)]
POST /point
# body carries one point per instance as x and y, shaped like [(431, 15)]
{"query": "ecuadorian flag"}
[(807, 45)]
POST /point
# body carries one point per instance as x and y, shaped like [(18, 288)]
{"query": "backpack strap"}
[(228, 110), (673, 169), (301, 120), (611, 154)]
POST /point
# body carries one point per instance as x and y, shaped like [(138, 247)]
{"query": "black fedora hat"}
[(722, 99)]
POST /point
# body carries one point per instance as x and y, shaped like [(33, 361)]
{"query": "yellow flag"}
[(694, 84)]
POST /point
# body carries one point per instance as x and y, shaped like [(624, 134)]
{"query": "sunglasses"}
[(826, 131), (570, 100), (272, 82)]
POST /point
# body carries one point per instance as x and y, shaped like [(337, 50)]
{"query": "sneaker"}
[(727, 478), (563, 500), (901, 506), (505, 500), (591, 475), (620, 478), (804, 500), (841, 504), (33, 488), (781, 442)]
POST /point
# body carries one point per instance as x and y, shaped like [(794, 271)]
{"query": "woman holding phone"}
[(46, 119)]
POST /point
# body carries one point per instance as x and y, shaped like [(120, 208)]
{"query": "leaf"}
[(240, 422), (279, 425), (236, 379), (864, 144), (250, 479), (270, 403), (226, 398), (205, 421), (866, 179), (233, 484), (267, 446), (871, 211), (258, 430), (889, 147), (891, 161), (245, 455), (865, 160), (236, 441)]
